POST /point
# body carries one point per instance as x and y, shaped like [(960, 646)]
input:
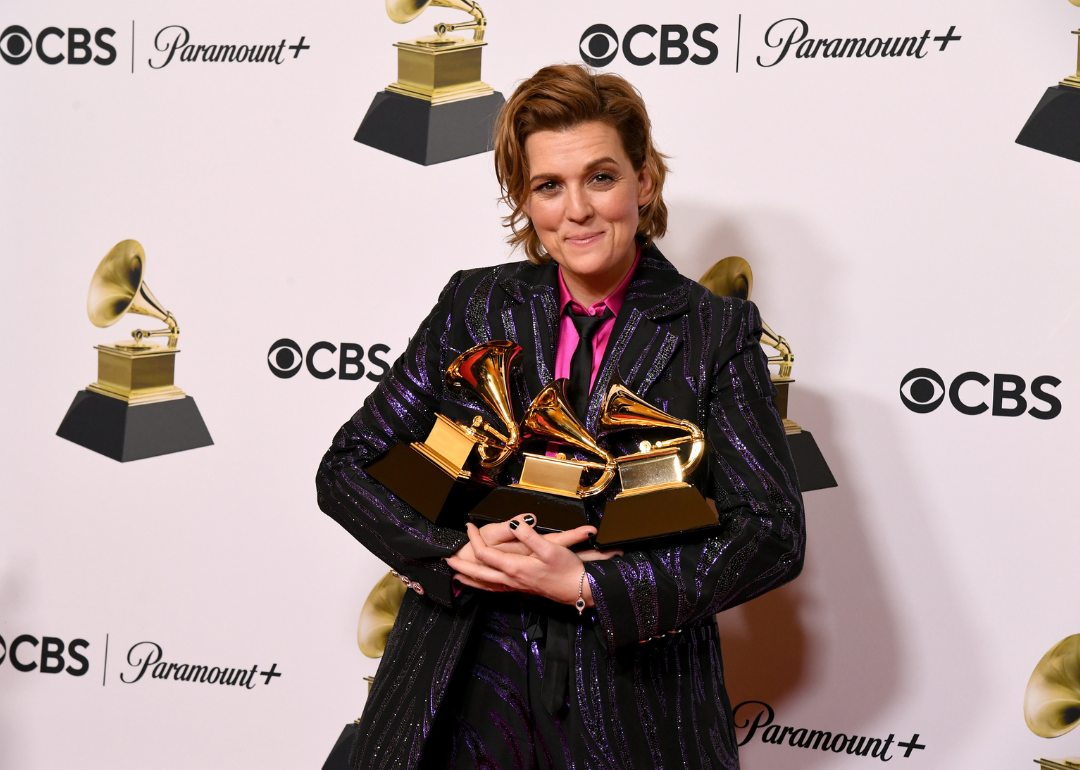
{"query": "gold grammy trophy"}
[(133, 410), (1054, 126), (551, 488), (438, 109), (732, 277), (1052, 698), (433, 475), (655, 500)]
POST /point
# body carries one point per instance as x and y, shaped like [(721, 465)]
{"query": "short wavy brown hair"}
[(560, 97)]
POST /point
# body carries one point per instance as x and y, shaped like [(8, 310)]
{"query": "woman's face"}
[(583, 200)]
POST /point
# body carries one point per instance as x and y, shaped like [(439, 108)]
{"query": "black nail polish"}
[(530, 519), (514, 524)]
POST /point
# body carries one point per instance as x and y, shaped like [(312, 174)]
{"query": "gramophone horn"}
[(118, 288), (730, 277), (624, 409), (403, 11), (1052, 699), (378, 615), (485, 370), (550, 417)]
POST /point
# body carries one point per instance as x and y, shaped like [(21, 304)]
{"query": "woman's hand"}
[(493, 560)]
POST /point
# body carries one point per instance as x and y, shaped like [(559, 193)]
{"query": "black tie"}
[(582, 363)]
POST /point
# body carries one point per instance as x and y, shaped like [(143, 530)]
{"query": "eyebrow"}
[(598, 162)]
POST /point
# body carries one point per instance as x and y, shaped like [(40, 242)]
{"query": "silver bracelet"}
[(580, 603)]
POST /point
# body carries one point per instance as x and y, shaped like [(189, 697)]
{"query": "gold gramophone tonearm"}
[(403, 11), (625, 410)]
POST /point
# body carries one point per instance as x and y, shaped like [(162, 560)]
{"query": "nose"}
[(578, 207)]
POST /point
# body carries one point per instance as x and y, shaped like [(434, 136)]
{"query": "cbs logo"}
[(923, 391), (16, 45), (51, 659), (599, 45), (285, 360)]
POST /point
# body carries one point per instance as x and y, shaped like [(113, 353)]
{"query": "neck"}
[(589, 289)]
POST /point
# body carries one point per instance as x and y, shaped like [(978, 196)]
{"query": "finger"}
[(569, 537), (545, 549), (515, 547), (497, 532), (598, 555), (468, 581), (479, 572)]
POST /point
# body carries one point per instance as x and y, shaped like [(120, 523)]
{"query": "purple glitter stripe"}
[(541, 364)]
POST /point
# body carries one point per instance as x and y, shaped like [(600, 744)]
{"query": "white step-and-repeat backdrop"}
[(892, 223)]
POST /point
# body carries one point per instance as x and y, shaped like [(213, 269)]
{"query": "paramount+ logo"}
[(53, 45), (644, 44), (325, 360), (973, 393)]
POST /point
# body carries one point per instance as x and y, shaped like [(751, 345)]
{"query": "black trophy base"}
[(441, 498), (1054, 126), (427, 133), (810, 464), (110, 427), (651, 519), (553, 512)]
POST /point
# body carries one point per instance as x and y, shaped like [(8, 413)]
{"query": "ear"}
[(526, 206), (646, 188)]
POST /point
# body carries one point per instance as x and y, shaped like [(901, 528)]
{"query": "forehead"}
[(573, 149)]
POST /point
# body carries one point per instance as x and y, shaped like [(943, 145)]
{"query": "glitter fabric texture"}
[(459, 684)]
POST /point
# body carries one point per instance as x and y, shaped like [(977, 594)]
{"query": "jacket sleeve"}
[(401, 408), (752, 480)]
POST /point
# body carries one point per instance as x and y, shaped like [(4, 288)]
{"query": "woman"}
[(491, 663)]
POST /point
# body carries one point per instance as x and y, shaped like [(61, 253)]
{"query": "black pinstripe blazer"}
[(697, 357)]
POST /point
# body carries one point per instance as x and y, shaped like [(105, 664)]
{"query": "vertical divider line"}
[(105, 667), (738, 45), (133, 46)]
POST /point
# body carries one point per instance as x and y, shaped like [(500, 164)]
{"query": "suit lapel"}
[(530, 317), (641, 345)]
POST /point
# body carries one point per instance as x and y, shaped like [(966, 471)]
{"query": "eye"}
[(922, 390), (544, 187), (598, 45), (15, 44), (285, 358)]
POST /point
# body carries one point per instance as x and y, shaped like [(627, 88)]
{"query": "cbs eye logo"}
[(17, 44), (599, 45), (286, 358), (922, 391)]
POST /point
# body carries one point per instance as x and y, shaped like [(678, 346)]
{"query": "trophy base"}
[(1054, 126), (426, 133), (553, 513), (1069, 763), (426, 486), (656, 516), (111, 427), (810, 464)]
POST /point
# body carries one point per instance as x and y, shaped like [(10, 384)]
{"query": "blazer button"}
[(417, 587)]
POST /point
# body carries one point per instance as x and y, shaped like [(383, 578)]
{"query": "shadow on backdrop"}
[(826, 651)]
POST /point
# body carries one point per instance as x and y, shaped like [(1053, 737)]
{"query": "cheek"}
[(619, 206), (545, 214)]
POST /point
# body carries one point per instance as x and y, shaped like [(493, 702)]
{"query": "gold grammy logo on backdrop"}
[(133, 410), (438, 109), (1054, 126)]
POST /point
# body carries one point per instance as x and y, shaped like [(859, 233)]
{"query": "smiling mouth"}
[(584, 240)]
